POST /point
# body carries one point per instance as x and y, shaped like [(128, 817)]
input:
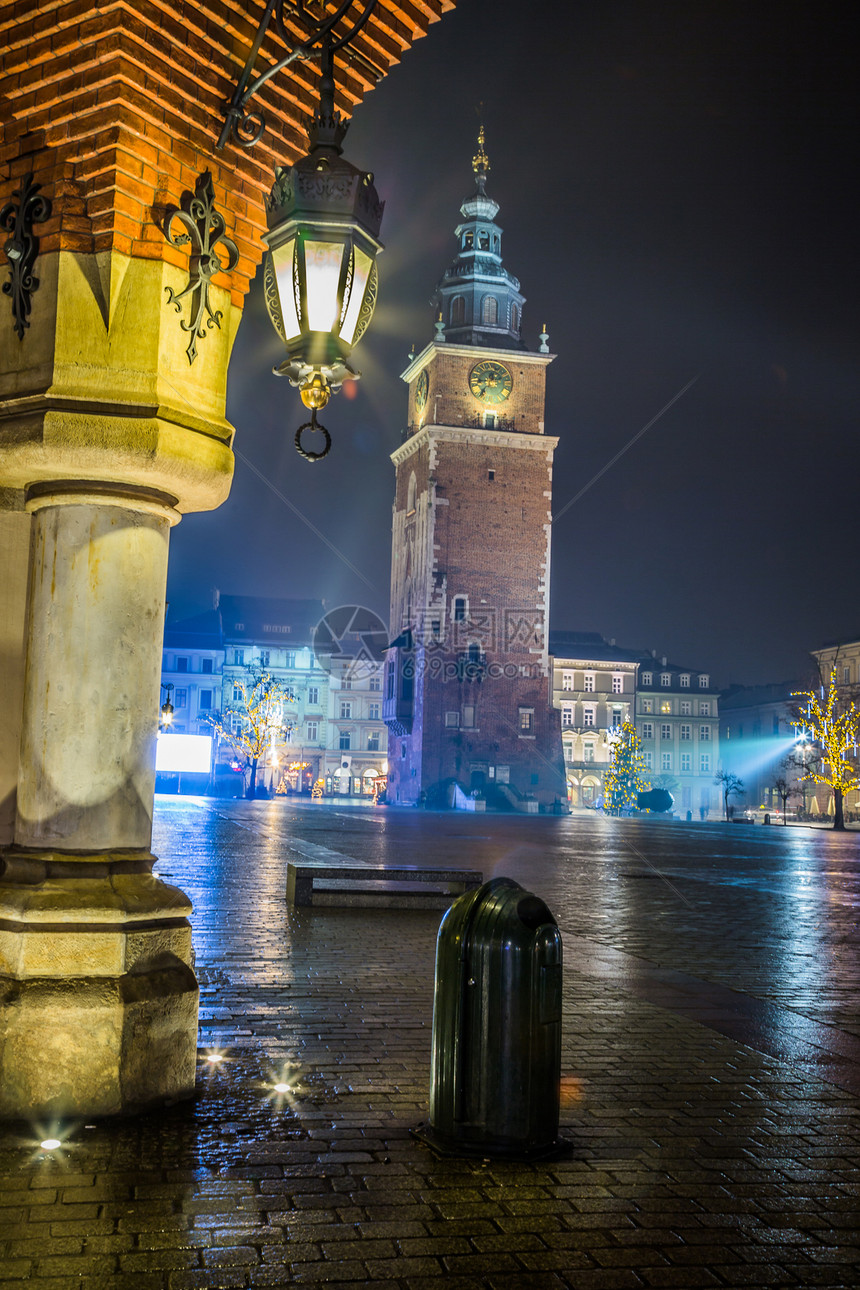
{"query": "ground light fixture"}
[(324, 216)]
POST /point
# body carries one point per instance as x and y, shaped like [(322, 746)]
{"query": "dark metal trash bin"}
[(496, 1063)]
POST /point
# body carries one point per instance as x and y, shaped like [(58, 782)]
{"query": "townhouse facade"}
[(335, 733), (677, 720)]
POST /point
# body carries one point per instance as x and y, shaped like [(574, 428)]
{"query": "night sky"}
[(676, 183)]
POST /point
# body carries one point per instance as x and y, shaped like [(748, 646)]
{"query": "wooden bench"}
[(400, 887)]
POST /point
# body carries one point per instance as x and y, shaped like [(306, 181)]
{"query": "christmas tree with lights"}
[(625, 779)]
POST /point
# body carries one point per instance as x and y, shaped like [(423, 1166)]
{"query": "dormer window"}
[(665, 678)]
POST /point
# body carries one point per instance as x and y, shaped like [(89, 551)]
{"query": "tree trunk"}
[(252, 782), (839, 815)]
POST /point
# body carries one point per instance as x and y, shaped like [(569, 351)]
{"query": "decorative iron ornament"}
[(245, 128), (205, 227), (23, 247)]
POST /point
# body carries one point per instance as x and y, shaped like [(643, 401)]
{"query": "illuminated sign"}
[(184, 752)]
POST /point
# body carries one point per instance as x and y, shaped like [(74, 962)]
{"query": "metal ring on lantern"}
[(313, 424)]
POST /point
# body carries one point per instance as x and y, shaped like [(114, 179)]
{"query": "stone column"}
[(101, 1002)]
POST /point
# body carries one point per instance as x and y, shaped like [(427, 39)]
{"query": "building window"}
[(373, 712), (239, 657), (237, 694), (647, 679), (665, 678), (616, 717), (491, 475), (567, 714), (373, 741), (666, 705), (666, 761), (490, 310), (686, 732), (648, 758), (458, 309), (666, 731), (389, 684), (452, 720), (205, 701), (686, 708), (346, 682), (527, 721), (206, 666), (617, 684), (588, 752), (567, 680), (468, 716), (685, 681), (490, 420), (588, 716), (647, 705), (686, 763), (345, 739), (182, 665), (704, 733), (647, 730), (313, 695), (704, 681), (515, 318), (459, 608), (846, 674), (181, 698), (588, 682), (375, 682), (313, 731), (704, 763), (705, 708), (346, 710)]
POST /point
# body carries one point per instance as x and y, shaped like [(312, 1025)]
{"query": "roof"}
[(588, 646), (270, 621), (203, 631), (754, 696)]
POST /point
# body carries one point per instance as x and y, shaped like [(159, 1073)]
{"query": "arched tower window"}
[(468, 240), (410, 494), (460, 609), (490, 310), (515, 318), (484, 241), (458, 311)]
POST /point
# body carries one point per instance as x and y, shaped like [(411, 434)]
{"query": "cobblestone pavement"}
[(710, 1072)]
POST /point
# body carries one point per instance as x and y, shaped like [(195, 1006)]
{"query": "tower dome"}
[(478, 300)]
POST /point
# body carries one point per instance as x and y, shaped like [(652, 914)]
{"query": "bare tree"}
[(784, 789), (731, 785)]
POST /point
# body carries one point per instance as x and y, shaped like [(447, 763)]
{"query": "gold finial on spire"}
[(480, 161)]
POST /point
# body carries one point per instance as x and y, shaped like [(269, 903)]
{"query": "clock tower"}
[(468, 698)]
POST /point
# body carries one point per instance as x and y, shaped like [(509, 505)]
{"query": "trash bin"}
[(496, 1062)]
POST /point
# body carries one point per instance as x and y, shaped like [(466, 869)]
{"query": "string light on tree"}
[(833, 723), (626, 777)]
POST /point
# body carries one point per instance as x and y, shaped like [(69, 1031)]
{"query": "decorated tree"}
[(255, 722), (833, 724), (625, 778)]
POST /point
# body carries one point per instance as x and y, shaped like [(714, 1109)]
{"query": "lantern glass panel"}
[(283, 258), (322, 279), (362, 265)]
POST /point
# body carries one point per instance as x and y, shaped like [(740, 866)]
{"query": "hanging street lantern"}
[(167, 707), (324, 216)]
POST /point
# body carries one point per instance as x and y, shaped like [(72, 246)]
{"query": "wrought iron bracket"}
[(245, 128), (205, 231), (22, 247)]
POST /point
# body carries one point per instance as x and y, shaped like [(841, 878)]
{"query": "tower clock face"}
[(422, 385), (490, 382)]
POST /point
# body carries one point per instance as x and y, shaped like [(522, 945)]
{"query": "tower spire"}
[(480, 161)]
